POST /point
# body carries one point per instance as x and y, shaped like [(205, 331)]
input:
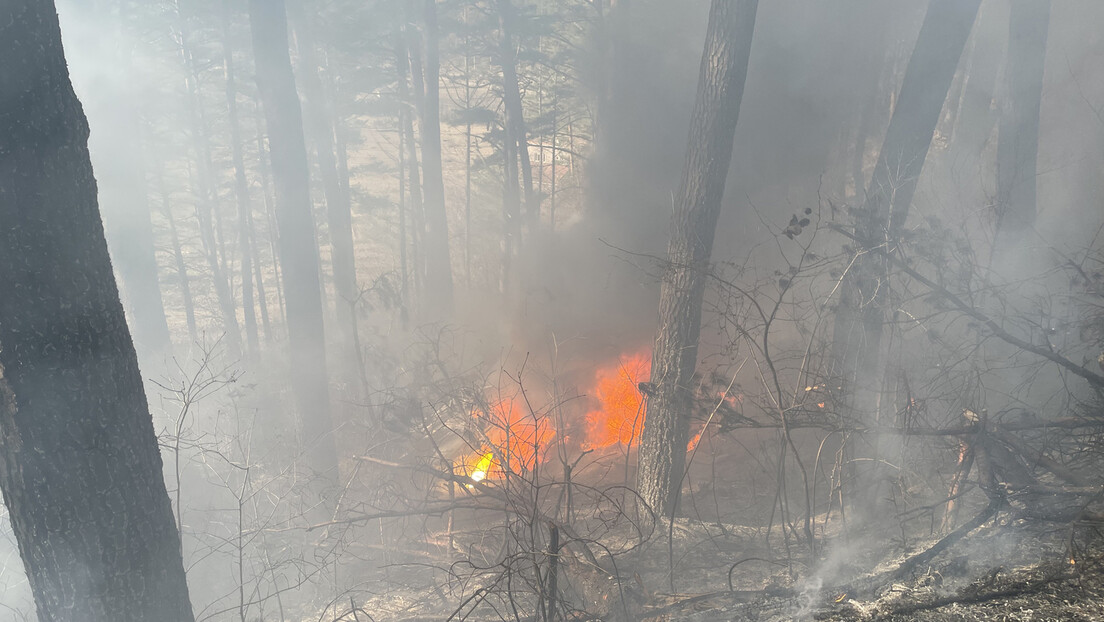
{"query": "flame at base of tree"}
[(520, 438)]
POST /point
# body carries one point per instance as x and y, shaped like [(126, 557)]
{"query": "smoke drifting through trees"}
[(395, 271)]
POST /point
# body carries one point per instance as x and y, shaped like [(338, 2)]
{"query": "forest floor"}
[(1006, 570)]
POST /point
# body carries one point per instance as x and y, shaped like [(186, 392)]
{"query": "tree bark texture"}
[(297, 246), (80, 468), (709, 152), (1018, 133)]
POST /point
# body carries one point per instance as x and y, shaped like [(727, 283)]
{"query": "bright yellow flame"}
[(479, 473)]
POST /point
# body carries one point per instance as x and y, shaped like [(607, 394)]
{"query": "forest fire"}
[(523, 438), (621, 416), (512, 434)]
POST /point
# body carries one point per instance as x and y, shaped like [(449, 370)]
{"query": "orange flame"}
[(621, 417), (514, 436), (519, 439)]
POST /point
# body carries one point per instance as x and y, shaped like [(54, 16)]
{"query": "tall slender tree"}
[(241, 184), (857, 333), (80, 467), (1018, 130), (516, 131), (297, 247), (709, 152), (318, 114), (207, 212), (438, 265)]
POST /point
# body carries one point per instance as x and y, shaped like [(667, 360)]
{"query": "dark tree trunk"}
[(298, 250), (975, 121), (1018, 133), (241, 186), (438, 267), (516, 131), (318, 115), (80, 468), (709, 153), (858, 323)]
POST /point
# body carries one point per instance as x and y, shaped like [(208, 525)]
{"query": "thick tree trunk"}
[(80, 467), (298, 250), (438, 268), (241, 186), (1018, 133), (318, 115), (709, 153), (858, 324)]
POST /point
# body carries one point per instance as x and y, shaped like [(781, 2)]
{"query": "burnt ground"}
[(1005, 570)]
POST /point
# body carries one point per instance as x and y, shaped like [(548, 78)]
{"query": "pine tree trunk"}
[(975, 121), (857, 333), (317, 114), (1018, 133), (408, 63), (207, 207), (80, 467), (516, 133), (241, 186), (298, 250), (709, 153), (438, 289)]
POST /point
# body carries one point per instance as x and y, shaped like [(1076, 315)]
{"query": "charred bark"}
[(709, 152), (80, 467)]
